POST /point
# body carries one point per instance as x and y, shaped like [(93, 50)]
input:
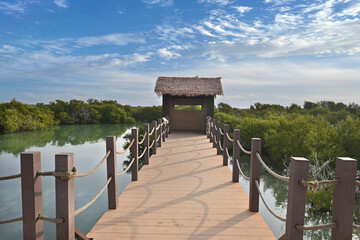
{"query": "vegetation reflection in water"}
[(275, 192), (87, 142)]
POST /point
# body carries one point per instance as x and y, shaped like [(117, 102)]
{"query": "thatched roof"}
[(188, 86)]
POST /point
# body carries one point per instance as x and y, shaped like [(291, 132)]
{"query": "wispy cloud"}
[(61, 3), (220, 2), (164, 3), (167, 54), (243, 9), (110, 39), (13, 8)]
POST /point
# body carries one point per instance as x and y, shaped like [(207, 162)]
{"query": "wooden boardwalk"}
[(185, 193)]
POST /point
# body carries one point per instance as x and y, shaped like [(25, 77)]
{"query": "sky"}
[(268, 51)]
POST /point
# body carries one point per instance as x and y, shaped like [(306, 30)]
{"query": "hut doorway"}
[(188, 114)]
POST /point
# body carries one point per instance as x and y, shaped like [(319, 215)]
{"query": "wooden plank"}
[(185, 193)]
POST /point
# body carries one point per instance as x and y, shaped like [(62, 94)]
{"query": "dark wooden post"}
[(154, 137), (134, 154), (31, 193), (163, 131), (167, 127), (218, 134), (146, 144), (226, 144), (343, 213), (64, 194), (236, 155), (159, 133), (214, 133), (211, 138), (207, 127), (254, 174), (299, 168), (111, 164)]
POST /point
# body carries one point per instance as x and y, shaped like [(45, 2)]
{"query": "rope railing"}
[(227, 153), (266, 205), (316, 184), (94, 199), (240, 170), (127, 149), (358, 183), (157, 140), (74, 173), (142, 139), (157, 128), (215, 140), (152, 144), (11, 220), (49, 219), (242, 148), (152, 131), (316, 227), (131, 163), (356, 227), (230, 139), (221, 148), (10, 177), (221, 132), (143, 153), (278, 176)]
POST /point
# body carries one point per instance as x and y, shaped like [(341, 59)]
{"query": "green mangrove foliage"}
[(16, 116)]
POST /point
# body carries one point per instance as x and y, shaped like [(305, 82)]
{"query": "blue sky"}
[(270, 51)]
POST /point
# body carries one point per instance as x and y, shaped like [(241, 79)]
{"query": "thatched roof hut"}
[(188, 100), (188, 86)]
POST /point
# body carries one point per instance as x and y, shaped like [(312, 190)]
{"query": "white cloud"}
[(163, 3), (12, 8), (110, 39), (61, 3), (220, 2), (353, 11), (8, 49), (243, 9), (167, 54)]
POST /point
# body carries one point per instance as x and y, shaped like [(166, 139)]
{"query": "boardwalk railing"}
[(65, 172), (345, 183)]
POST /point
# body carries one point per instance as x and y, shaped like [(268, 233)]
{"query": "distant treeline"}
[(318, 131), (16, 116)]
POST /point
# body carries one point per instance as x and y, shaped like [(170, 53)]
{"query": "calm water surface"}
[(87, 142)]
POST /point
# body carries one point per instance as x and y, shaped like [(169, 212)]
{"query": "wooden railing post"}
[(299, 168), (343, 210), (211, 137), (236, 155), (226, 144), (254, 174), (146, 144), (159, 133), (111, 164), (154, 136), (134, 154), (214, 133), (207, 127), (167, 127), (31, 192), (218, 134), (163, 130), (64, 194)]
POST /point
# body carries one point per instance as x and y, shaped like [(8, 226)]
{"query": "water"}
[(87, 142)]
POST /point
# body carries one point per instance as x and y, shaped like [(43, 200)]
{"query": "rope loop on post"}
[(132, 161), (278, 176), (242, 148), (11, 220), (142, 139), (230, 139), (127, 149), (10, 177), (266, 205), (316, 227), (94, 199), (316, 184), (357, 227)]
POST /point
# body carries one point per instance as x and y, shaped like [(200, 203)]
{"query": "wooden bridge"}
[(184, 191)]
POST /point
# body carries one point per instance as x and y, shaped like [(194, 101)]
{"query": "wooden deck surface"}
[(185, 193)]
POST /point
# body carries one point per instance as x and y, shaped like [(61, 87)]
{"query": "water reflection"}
[(87, 142)]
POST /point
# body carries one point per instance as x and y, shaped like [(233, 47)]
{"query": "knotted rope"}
[(11, 220), (241, 172), (132, 142), (94, 199), (266, 205), (278, 176), (316, 227), (74, 173), (243, 149), (119, 174), (10, 177), (316, 184), (142, 139)]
